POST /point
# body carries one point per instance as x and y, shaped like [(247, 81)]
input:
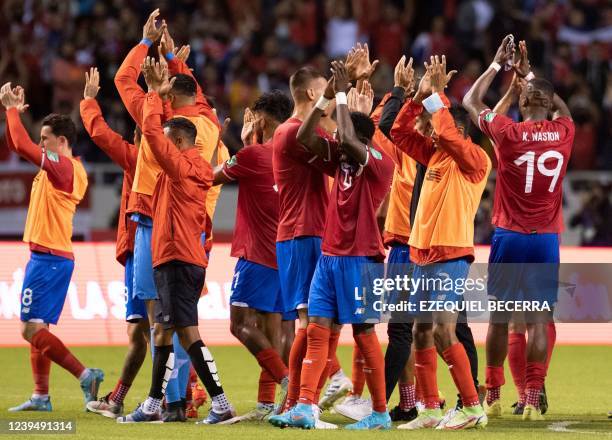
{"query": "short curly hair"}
[(275, 104)]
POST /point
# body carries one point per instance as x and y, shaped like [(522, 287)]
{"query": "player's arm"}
[(59, 168), (307, 133), (407, 139), (470, 158), (126, 78), (347, 137), (560, 108), (238, 166), (510, 97), (473, 99), (381, 213), (121, 152)]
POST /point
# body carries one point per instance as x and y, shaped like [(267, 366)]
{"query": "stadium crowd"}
[(240, 49)]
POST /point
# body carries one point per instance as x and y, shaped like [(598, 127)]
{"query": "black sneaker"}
[(174, 415), (543, 400), (399, 415), (518, 409)]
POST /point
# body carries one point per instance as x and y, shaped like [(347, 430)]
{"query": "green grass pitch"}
[(579, 388)]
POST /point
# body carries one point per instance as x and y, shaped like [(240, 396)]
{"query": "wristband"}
[(322, 103), (169, 56), (147, 42), (529, 76), (433, 103), (341, 98), (495, 66)]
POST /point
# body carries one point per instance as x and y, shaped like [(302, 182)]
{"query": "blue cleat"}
[(300, 416), (139, 416), (91, 384), (34, 404), (215, 418), (376, 420)]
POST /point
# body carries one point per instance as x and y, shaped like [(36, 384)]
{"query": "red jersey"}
[(301, 184), (532, 159), (257, 214), (351, 228)]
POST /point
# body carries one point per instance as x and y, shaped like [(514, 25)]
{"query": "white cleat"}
[(428, 418), (320, 424), (337, 389), (354, 407)]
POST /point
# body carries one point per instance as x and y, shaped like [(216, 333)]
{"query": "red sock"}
[(425, 366), (536, 372), (267, 387), (120, 391), (335, 366), (358, 374), (314, 362), (374, 369), (407, 396), (517, 359), (331, 355), (53, 348), (418, 389), (41, 366), (270, 360), (193, 379), (459, 366), (494, 381), (296, 356), (552, 338)]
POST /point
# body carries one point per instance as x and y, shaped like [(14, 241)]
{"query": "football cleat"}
[(493, 410), (34, 404), (139, 416), (376, 420), (533, 414), (91, 384), (300, 416), (337, 389), (399, 415), (105, 407), (428, 418)]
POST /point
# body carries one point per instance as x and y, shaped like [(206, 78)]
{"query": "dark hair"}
[(184, 85), (461, 117), (544, 86), (183, 125), (275, 104), (61, 125), (364, 127), (302, 77)]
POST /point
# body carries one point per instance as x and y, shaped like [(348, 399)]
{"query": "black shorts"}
[(178, 289)]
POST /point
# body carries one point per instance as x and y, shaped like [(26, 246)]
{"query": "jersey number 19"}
[(530, 157)]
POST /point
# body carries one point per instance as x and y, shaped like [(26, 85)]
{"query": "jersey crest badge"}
[(490, 116)]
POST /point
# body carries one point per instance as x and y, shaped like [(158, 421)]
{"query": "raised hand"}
[(248, 127), (166, 44), (92, 83), (437, 73), (156, 77), (403, 74), (505, 51), (522, 66), (341, 76), (183, 53), (150, 31), (365, 98), (358, 62), (13, 98)]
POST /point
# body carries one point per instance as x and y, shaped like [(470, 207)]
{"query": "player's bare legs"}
[(111, 405), (50, 346), (287, 338)]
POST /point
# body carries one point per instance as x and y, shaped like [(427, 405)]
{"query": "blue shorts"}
[(523, 267), (135, 308), (45, 286), (144, 282), (437, 281), (341, 289), (398, 263), (297, 260), (257, 287), (291, 315)]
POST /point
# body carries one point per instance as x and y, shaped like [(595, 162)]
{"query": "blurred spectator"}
[(593, 218), (240, 48)]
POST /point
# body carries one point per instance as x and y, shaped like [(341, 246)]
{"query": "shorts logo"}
[(434, 174), (489, 117)]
